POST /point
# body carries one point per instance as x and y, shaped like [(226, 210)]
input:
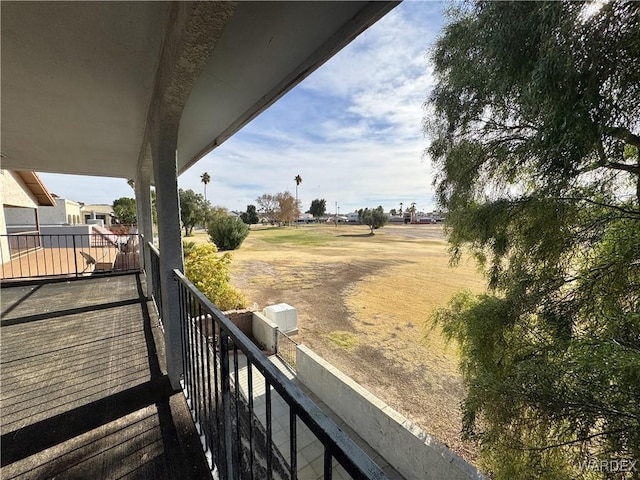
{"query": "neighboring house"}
[(337, 219), (63, 212), (100, 211), (24, 191), (353, 217), (305, 218)]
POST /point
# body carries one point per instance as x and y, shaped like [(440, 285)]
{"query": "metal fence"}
[(238, 437), (287, 349), (31, 254), (23, 242)]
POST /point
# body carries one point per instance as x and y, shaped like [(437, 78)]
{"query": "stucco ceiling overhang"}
[(77, 77)]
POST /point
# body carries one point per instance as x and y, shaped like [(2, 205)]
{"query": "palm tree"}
[(298, 180), (205, 178)]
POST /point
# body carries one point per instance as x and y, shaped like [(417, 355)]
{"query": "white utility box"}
[(284, 316)]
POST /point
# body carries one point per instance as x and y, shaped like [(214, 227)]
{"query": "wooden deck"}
[(84, 393)]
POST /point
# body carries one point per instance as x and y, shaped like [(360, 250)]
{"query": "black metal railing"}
[(287, 349), (32, 254), (23, 242), (237, 436)]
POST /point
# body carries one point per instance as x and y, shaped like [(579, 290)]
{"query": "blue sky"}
[(352, 130)]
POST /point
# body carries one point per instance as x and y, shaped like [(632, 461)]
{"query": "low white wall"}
[(265, 332), (415, 454), (56, 236)]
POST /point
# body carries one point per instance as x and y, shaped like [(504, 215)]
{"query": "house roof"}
[(37, 188)]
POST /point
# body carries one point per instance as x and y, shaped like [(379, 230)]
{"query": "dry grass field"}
[(364, 304)]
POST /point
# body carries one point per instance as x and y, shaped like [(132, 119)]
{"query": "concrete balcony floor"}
[(83, 388)]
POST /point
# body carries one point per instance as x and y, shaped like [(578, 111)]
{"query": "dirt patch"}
[(363, 304)]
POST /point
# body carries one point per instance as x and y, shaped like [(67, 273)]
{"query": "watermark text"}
[(610, 465)]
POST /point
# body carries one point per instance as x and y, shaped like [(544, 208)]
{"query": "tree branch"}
[(635, 169), (625, 134), (634, 213), (570, 442)]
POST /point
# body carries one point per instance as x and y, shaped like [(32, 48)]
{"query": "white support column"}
[(145, 221), (193, 29), (166, 180)]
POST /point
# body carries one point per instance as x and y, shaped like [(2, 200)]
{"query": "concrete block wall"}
[(415, 454), (242, 320), (265, 332)]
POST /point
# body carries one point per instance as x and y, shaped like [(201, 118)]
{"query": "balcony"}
[(85, 392)]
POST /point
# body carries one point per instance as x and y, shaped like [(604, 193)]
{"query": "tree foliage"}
[(535, 134), (228, 233), (154, 207), (287, 207), (205, 178), (193, 210), (268, 205), (280, 207), (250, 217), (318, 207), (215, 213), (375, 218), (210, 273), (124, 209)]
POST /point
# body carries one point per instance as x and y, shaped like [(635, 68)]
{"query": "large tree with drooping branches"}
[(535, 131)]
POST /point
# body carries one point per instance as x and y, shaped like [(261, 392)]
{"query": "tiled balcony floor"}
[(83, 389)]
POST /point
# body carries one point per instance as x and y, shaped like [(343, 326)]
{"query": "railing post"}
[(75, 255), (227, 450)]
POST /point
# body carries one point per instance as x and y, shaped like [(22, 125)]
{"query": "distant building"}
[(337, 219), (305, 218), (353, 217), (63, 212), (98, 211)]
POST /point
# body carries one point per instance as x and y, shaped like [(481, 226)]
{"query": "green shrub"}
[(228, 233), (209, 272), (187, 247)]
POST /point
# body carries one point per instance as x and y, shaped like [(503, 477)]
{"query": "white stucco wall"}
[(415, 454), (14, 192), (64, 211), (265, 332)]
